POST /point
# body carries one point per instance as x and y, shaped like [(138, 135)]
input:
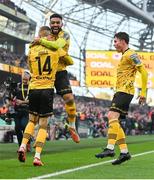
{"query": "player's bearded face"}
[(55, 25), (118, 44)]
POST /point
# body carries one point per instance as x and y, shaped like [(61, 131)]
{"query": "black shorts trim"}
[(120, 102), (41, 115), (62, 83), (33, 113), (118, 110)]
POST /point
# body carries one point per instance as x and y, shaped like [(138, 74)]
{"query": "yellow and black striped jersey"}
[(126, 71), (43, 64)]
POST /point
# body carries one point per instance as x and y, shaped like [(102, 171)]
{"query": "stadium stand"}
[(16, 29), (11, 5)]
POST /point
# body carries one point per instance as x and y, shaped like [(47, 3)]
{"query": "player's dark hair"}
[(122, 36), (56, 16)]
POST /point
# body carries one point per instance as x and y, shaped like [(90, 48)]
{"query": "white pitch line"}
[(84, 167)]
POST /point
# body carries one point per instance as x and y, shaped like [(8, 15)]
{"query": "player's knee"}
[(70, 102), (71, 109), (70, 105), (113, 115), (68, 98), (43, 123), (33, 118)]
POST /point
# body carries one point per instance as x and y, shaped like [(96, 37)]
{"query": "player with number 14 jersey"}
[(43, 66)]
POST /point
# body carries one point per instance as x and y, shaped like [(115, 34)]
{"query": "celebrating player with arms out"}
[(126, 72), (61, 39)]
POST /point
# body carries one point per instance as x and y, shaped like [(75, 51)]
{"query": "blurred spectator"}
[(22, 107), (3, 112), (8, 57), (151, 118)]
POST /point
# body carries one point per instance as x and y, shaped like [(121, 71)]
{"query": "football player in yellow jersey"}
[(43, 65), (126, 71), (61, 39)]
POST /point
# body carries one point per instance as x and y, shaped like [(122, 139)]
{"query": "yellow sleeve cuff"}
[(68, 60)]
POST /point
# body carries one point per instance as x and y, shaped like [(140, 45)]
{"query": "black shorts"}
[(62, 83), (41, 102), (120, 103)]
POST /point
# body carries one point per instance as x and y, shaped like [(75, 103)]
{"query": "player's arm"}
[(54, 45), (61, 42), (144, 78), (63, 56), (20, 102)]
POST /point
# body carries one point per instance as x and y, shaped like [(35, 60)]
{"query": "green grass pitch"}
[(62, 155)]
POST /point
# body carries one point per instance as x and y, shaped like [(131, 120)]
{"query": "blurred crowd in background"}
[(8, 57), (91, 112), (91, 118)]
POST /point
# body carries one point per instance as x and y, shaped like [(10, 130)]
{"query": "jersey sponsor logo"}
[(43, 77)]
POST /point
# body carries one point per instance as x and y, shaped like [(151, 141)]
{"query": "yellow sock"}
[(121, 141), (42, 134), (71, 111), (40, 140), (28, 132), (112, 132)]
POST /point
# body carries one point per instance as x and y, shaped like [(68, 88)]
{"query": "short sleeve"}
[(66, 36)]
